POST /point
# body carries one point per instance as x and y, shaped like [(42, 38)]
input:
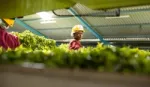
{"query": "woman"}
[(77, 33), (7, 40)]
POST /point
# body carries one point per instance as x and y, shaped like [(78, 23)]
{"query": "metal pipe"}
[(99, 14), (121, 12)]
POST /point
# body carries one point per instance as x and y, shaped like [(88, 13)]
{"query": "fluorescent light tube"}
[(123, 16), (45, 22), (44, 15)]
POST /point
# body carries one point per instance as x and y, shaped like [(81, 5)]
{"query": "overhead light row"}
[(123, 16)]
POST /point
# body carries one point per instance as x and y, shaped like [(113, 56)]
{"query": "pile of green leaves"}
[(35, 42), (37, 49), (100, 58)]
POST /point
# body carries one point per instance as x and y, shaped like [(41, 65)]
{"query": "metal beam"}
[(135, 10), (88, 27), (109, 39), (29, 27)]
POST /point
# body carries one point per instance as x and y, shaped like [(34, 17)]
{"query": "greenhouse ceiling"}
[(15, 8), (133, 22)]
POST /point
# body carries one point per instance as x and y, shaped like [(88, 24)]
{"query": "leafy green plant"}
[(30, 40)]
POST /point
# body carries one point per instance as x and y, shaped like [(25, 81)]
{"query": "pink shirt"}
[(75, 45), (8, 40)]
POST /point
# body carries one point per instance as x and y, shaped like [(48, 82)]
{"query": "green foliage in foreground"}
[(100, 58), (37, 49)]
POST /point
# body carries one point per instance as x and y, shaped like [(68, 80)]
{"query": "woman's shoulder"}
[(72, 41)]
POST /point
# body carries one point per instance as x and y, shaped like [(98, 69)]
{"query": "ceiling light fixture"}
[(45, 15)]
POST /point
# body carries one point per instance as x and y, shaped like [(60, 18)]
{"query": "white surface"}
[(24, 80), (15, 76)]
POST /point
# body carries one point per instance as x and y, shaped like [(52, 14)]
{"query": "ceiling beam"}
[(29, 27)]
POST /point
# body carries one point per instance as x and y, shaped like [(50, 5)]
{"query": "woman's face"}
[(78, 35)]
